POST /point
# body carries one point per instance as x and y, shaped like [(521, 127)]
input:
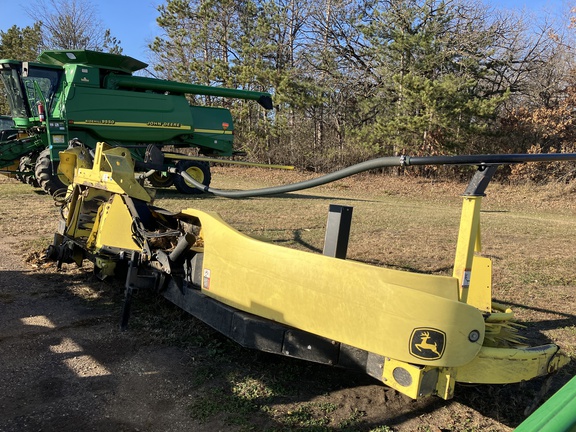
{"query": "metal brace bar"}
[(338, 231)]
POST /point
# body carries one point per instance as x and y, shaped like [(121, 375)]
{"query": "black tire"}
[(161, 180), (200, 171), (27, 164), (50, 183), (22, 168)]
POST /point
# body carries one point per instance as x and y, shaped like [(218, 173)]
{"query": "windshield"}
[(45, 80), (14, 93), (24, 93)]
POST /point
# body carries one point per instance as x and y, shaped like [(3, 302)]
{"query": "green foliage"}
[(19, 44), (60, 24), (111, 44), (350, 79), (425, 59)]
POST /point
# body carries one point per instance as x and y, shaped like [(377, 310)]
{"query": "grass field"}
[(399, 222)]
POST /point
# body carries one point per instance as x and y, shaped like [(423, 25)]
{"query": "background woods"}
[(358, 79)]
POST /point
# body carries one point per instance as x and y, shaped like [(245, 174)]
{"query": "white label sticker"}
[(466, 278), (206, 279)]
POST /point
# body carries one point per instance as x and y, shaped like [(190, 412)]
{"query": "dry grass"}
[(405, 223)]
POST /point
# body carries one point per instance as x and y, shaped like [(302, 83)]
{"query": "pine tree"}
[(353, 79), (425, 60), (18, 44)]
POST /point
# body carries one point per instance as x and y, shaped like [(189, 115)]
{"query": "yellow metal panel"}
[(71, 159), (380, 310), (122, 168), (74, 206), (113, 228), (510, 365), (480, 291), (83, 208), (467, 240), (67, 164), (412, 380), (446, 383), (93, 236), (113, 171)]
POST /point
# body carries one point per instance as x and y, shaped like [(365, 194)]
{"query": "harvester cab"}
[(91, 96)]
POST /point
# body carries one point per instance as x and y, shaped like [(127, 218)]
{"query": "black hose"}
[(490, 159), (328, 178), (391, 161), (185, 242)]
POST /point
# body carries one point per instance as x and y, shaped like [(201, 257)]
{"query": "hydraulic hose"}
[(307, 184), (145, 175), (390, 161)]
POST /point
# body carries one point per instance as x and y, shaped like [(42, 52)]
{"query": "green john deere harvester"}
[(84, 97)]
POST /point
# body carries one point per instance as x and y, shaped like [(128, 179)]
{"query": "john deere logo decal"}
[(427, 343)]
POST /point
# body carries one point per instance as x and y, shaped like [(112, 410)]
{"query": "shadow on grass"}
[(570, 318), (219, 385)]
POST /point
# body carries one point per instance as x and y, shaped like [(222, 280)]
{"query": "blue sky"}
[(131, 21), (134, 21)]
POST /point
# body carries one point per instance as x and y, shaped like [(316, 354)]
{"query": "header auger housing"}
[(418, 333), (90, 96)]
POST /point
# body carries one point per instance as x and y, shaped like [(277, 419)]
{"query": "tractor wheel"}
[(161, 180), (50, 183), (27, 164), (22, 167), (199, 171)]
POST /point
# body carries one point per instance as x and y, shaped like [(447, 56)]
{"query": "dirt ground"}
[(65, 366)]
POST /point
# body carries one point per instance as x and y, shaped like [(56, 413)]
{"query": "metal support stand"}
[(469, 232), (130, 287), (338, 231)]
